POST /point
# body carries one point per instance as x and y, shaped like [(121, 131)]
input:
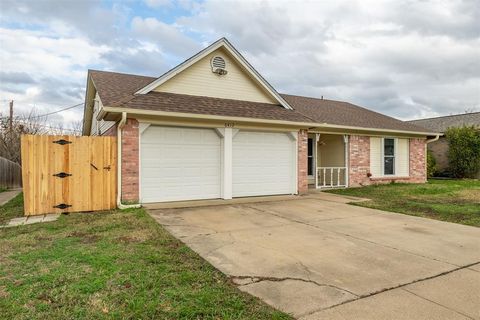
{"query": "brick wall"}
[(358, 160), (302, 161), (418, 169), (130, 168)]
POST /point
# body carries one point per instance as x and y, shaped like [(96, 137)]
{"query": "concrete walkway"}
[(319, 258), (31, 219), (8, 195)]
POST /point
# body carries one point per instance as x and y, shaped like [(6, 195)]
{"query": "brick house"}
[(439, 148), (213, 127)]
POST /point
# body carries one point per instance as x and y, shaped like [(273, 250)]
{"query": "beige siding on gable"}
[(99, 127), (199, 80), (376, 157)]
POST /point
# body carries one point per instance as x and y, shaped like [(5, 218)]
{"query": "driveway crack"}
[(398, 286), (257, 279)]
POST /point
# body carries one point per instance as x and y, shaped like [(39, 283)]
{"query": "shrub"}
[(431, 164), (463, 151)]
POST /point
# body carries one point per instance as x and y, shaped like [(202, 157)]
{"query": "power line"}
[(51, 127), (53, 112), (50, 113)]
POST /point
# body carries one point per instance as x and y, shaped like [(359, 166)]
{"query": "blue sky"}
[(406, 59)]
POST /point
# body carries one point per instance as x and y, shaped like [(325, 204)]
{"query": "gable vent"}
[(218, 65)]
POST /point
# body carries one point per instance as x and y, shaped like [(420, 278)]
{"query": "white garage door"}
[(263, 164), (179, 164)]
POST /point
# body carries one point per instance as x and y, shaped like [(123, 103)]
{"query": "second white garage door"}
[(179, 164), (263, 164)]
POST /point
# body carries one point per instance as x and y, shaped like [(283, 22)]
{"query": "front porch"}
[(327, 160)]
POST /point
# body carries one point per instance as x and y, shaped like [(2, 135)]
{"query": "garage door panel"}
[(179, 164), (262, 164)]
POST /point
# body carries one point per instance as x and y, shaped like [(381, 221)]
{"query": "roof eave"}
[(309, 125), (87, 119)]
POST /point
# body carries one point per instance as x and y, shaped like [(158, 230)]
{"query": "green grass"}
[(112, 265), (447, 200), (3, 189)]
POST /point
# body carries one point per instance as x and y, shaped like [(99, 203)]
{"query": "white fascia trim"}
[(312, 126), (101, 113), (336, 126), (86, 105), (214, 46), (205, 116)]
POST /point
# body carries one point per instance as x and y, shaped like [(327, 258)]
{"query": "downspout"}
[(426, 151), (120, 126), (433, 139)]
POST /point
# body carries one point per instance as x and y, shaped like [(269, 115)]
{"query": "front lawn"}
[(112, 265), (448, 200)]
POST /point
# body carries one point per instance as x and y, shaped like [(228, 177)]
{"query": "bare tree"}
[(77, 127), (470, 110), (10, 134)]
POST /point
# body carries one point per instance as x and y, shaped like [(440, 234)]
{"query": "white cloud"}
[(44, 70), (158, 3), (166, 36), (402, 58)]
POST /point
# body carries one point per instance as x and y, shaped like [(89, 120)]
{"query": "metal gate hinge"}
[(62, 175), (62, 142), (62, 206)]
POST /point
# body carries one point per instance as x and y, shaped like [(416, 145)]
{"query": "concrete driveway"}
[(319, 258)]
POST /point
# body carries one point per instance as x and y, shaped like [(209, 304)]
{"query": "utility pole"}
[(11, 117)]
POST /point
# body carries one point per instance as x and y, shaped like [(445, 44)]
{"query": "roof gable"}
[(195, 77)]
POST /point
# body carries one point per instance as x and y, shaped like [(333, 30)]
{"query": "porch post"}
[(345, 140)]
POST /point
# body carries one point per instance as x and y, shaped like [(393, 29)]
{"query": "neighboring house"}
[(439, 148), (213, 127)]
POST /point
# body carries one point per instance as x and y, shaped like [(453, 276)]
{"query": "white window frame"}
[(395, 147)]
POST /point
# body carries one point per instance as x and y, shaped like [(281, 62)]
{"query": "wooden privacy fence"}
[(68, 173), (10, 174)]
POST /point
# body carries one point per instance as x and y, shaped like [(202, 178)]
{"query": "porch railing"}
[(331, 177)]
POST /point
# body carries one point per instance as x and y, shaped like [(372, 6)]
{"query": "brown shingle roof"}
[(117, 89), (346, 114), (171, 102), (113, 87), (441, 124)]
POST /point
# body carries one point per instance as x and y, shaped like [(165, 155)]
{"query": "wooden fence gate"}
[(68, 173)]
